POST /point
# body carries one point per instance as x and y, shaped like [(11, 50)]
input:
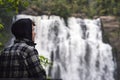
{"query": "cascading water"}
[(76, 50)]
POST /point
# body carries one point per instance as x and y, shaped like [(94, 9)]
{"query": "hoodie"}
[(22, 30)]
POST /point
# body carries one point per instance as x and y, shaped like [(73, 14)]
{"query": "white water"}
[(77, 50)]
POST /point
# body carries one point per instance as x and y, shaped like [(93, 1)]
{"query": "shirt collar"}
[(27, 41)]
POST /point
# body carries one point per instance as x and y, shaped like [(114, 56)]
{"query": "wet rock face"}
[(111, 26)]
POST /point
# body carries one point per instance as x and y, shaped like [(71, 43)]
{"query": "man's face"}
[(33, 33)]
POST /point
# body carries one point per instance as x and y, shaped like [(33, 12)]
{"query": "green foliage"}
[(9, 8), (56, 7), (0, 44), (91, 8), (44, 61), (1, 26), (13, 5)]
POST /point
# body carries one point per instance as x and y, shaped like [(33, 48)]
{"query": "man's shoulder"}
[(18, 47), (24, 46)]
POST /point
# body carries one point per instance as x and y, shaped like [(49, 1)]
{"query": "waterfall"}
[(76, 50)]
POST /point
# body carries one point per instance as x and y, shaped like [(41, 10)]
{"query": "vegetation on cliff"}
[(88, 7)]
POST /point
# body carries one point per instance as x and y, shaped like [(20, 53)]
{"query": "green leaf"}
[(1, 26), (1, 2), (1, 44), (44, 61)]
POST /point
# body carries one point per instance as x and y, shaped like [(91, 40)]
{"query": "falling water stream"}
[(76, 49)]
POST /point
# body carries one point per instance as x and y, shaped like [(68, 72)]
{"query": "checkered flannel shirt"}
[(20, 61)]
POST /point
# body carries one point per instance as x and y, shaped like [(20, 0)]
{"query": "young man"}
[(21, 60)]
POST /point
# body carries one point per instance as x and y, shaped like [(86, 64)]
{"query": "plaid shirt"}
[(20, 61)]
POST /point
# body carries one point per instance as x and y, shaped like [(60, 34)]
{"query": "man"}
[(21, 59)]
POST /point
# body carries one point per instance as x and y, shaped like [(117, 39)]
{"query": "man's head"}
[(23, 29)]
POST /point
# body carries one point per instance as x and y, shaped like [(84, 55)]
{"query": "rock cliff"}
[(111, 34)]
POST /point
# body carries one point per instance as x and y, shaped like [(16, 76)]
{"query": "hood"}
[(22, 29)]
